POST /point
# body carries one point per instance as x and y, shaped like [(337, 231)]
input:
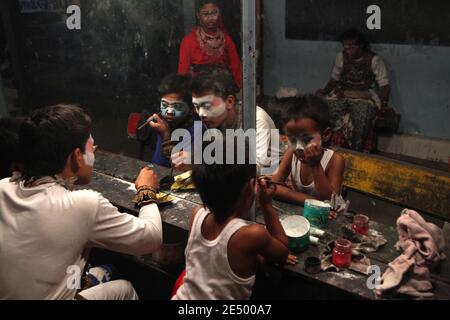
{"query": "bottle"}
[(342, 253)]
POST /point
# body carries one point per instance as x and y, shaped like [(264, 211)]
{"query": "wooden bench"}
[(407, 185)]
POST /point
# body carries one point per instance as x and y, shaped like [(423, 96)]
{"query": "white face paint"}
[(299, 143), (89, 156), (208, 106), (178, 109)]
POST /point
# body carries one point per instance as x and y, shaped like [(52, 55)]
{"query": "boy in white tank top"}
[(222, 250), (316, 172)]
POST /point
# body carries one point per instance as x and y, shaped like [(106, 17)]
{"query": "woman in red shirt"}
[(209, 45)]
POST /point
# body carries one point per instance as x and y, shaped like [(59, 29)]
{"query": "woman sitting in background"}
[(358, 87)]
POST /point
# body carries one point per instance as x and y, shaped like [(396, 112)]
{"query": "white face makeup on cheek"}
[(89, 156), (209, 106)]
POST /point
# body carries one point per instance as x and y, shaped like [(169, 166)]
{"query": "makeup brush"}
[(151, 119), (269, 181)]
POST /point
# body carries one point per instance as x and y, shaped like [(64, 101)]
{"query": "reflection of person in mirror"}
[(176, 112), (315, 170), (209, 45), (214, 99), (359, 86), (215, 102)]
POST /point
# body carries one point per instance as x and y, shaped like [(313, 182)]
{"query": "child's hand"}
[(292, 260), (181, 161), (265, 190), (160, 127), (313, 155), (333, 215)]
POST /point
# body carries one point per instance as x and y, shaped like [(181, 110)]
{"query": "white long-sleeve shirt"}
[(47, 229), (267, 143)]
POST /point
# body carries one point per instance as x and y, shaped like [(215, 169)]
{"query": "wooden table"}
[(113, 177)]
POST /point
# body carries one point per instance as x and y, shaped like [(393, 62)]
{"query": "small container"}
[(297, 229), (314, 240), (313, 265), (342, 253), (317, 213), (317, 233), (361, 224)]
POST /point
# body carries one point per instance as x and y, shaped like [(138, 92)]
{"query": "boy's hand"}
[(292, 260), (181, 161), (313, 155), (147, 177), (333, 215), (265, 190), (160, 126)]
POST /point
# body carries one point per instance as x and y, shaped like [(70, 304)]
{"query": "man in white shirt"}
[(268, 154), (47, 230)]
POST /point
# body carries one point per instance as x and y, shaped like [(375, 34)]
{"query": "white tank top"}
[(296, 173), (208, 272)]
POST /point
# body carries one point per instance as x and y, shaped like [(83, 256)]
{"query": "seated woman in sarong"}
[(358, 88)]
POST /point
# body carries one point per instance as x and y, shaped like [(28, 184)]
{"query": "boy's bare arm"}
[(273, 224), (324, 183), (284, 170), (274, 239), (335, 173), (265, 245), (288, 195)]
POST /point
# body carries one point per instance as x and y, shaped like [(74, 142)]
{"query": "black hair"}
[(313, 107), (353, 34), (277, 108), (215, 79), (175, 83), (9, 145), (49, 135), (220, 185), (202, 3)]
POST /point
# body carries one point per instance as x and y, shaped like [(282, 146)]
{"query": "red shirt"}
[(191, 53)]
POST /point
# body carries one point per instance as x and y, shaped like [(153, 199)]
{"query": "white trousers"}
[(113, 290)]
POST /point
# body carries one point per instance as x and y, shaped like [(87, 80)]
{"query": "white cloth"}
[(297, 169), (47, 229), (267, 143), (208, 272), (114, 290), (378, 68)]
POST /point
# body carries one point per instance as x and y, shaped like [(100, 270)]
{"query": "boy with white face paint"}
[(62, 225), (214, 99)]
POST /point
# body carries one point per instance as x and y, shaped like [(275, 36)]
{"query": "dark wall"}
[(113, 65), (403, 21)]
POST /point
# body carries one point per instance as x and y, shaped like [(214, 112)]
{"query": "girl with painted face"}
[(316, 171), (209, 45), (175, 113)]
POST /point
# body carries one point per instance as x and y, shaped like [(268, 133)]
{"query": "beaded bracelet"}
[(145, 195)]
